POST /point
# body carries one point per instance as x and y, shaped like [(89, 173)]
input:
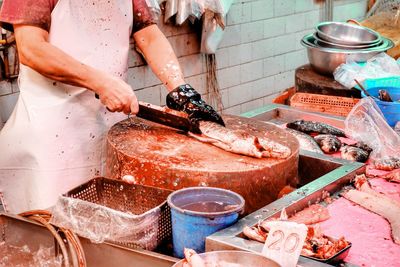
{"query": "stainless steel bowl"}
[(233, 258), (325, 60), (347, 33), (320, 42)]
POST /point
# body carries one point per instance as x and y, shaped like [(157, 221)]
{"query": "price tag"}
[(284, 242)]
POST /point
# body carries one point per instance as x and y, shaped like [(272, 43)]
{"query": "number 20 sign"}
[(285, 241)]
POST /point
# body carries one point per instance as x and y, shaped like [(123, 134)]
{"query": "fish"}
[(353, 153), (362, 184), (255, 233), (315, 127), (387, 164), (363, 146), (393, 176), (311, 215), (316, 245), (328, 143), (306, 142), (381, 206), (384, 96), (193, 259), (240, 141)]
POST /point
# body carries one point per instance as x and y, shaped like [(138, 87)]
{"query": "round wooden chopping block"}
[(163, 157), (309, 81)]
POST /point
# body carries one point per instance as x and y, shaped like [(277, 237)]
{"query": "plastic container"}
[(198, 212), (390, 110)]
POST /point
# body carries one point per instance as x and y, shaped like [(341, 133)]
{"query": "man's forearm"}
[(50, 61), (160, 56)]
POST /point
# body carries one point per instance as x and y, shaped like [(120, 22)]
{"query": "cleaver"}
[(165, 116)]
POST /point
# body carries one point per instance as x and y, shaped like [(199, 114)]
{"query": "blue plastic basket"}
[(382, 82), (391, 110)]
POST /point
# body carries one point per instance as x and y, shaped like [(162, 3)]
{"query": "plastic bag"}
[(99, 223), (211, 35), (154, 8), (379, 66), (366, 123)]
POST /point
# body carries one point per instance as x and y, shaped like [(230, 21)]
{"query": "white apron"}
[(55, 137)]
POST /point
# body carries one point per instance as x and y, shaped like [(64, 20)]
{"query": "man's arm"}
[(37, 53), (162, 60), (160, 56)]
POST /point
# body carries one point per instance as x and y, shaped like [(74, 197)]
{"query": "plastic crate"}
[(334, 105)]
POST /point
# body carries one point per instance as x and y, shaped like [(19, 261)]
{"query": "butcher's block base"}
[(163, 157)]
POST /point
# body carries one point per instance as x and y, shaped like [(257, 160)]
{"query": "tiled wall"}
[(256, 59)]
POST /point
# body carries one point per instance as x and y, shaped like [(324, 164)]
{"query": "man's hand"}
[(116, 95), (185, 98)]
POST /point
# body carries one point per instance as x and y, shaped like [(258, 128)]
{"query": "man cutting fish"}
[(69, 51)]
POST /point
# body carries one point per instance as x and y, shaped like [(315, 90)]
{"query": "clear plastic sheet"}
[(154, 8), (366, 123), (379, 66), (99, 223)]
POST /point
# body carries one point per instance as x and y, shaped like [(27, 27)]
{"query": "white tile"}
[(295, 23), (239, 94), (136, 77), (150, 95), (251, 105), (274, 65), (284, 44), (284, 7), (262, 87), (235, 110), (231, 36), (307, 5), (252, 31), (251, 71), (295, 59), (274, 27), (262, 49), (283, 81), (229, 77), (192, 65), (261, 10), (239, 13)]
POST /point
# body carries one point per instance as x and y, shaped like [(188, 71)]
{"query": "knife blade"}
[(165, 116)]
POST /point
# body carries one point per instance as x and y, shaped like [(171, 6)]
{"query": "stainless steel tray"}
[(281, 114), (317, 173), (232, 237)]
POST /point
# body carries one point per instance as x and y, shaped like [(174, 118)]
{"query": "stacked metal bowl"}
[(334, 42)]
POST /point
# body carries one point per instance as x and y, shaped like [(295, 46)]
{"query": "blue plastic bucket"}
[(390, 110), (198, 212)]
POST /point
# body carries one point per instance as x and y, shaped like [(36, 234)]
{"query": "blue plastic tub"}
[(391, 110), (198, 212)]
